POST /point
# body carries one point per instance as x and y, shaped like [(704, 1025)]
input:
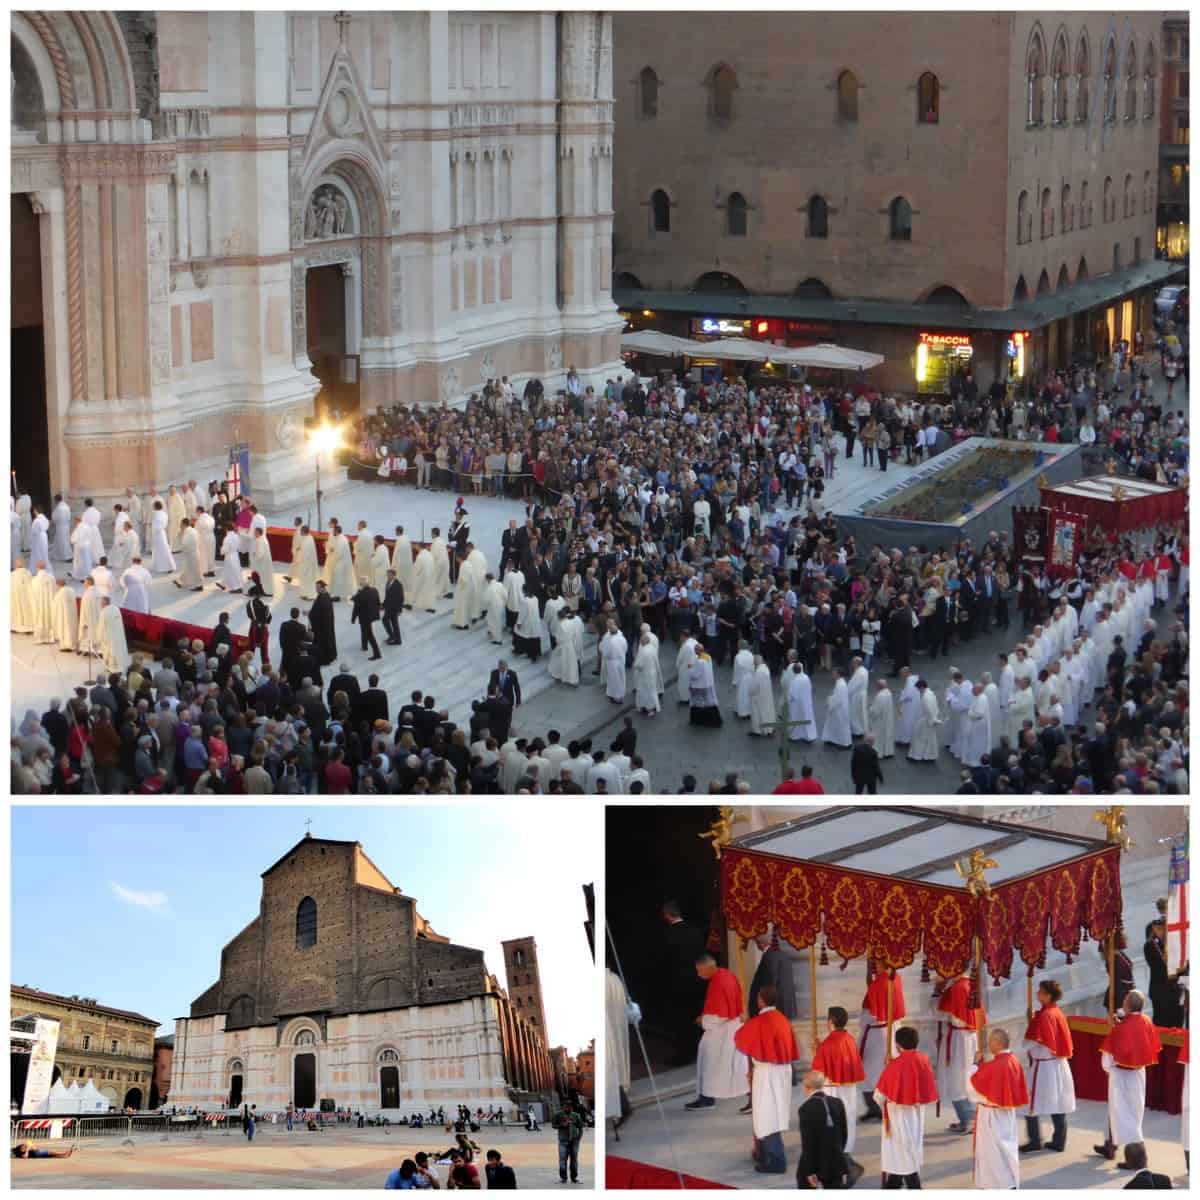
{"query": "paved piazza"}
[(346, 1158)]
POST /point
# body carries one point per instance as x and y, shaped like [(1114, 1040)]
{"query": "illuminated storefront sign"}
[(939, 357), (945, 339), (1015, 350), (723, 325)]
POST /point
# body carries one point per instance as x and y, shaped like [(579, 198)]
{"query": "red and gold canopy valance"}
[(897, 920)]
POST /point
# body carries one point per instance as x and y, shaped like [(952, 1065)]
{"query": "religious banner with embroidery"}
[(1066, 537)]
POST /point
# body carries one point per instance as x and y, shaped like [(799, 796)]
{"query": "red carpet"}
[(624, 1173)]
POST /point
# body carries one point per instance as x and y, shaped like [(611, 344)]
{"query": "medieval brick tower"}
[(525, 983)]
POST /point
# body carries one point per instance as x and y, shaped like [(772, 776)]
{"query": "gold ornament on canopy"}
[(720, 832), (977, 863), (1116, 826)]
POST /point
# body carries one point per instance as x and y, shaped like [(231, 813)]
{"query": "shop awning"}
[(882, 882), (837, 358), (738, 350), (840, 358), (664, 345)]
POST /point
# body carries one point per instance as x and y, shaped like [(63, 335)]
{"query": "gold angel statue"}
[(977, 883), (1116, 826), (720, 832)]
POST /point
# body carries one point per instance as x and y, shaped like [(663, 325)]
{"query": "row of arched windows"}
[(1064, 211), (1065, 73), (900, 214), (1118, 76), (1044, 287)]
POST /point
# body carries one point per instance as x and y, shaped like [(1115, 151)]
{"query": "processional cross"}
[(308, 827), (342, 20), (783, 728)]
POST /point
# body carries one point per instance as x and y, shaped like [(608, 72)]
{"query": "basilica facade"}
[(218, 215), (340, 991)]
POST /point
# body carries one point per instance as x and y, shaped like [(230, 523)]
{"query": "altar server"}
[(402, 563), (206, 535), (997, 1087), (837, 714), (904, 1088), (1049, 1047), (720, 1067), (881, 720), (762, 700), (61, 516), (872, 1042), (1125, 1053), (858, 689), (66, 617), (495, 601), (306, 565), (260, 561), (838, 1059), (958, 1029), (41, 603), (231, 563), (21, 602), (743, 676), (136, 581), (111, 637), (190, 576), (768, 1042)]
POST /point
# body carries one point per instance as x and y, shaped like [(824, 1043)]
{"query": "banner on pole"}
[(237, 475)]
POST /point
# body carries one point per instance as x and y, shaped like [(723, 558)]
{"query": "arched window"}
[(241, 1012), (1147, 193), (929, 99), (648, 92), (1085, 208), (735, 215), (1109, 203), (1043, 283), (1066, 217), (1083, 78), (1047, 213), (1024, 219), (1131, 83), (947, 297), (1150, 84), (718, 281), (847, 92), (818, 217), (628, 281), (1021, 291), (388, 1056), (1129, 206), (1058, 76), (1035, 70), (724, 81), (1064, 278), (1081, 271), (306, 923), (900, 220), (812, 289), (660, 207), (1110, 81)]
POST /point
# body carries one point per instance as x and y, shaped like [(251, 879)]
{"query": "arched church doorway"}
[(304, 1081), (235, 1090), (329, 303), (28, 416), (133, 1098), (389, 1087)]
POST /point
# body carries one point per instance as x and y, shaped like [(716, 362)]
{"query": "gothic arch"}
[(297, 1026), (944, 293), (1064, 278)]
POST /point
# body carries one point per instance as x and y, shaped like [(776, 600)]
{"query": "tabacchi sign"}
[(945, 339)]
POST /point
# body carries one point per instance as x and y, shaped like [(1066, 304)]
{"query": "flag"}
[(237, 477), (1177, 906)]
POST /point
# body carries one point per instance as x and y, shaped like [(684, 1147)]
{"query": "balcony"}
[(107, 1055)]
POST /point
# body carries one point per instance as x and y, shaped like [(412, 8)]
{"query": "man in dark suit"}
[(366, 613), (425, 721), (291, 638), (498, 713), (373, 703), (822, 1137), (626, 741), (508, 547), (343, 681), (307, 666), (221, 635), (320, 617), (393, 606), (681, 993), (506, 682), (1135, 1156), (865, 771)]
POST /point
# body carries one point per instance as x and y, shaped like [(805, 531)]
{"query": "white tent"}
[(838, 358), (62, 1100), (650, 341), (90, 1100)]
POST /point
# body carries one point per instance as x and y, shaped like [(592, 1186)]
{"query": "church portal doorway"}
[(304, 1081), (28, 415), (235, 1091), (331, 299), (389, 1087), (133, 1098)]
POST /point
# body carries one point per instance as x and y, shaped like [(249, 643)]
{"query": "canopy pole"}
[(812, 990), (1112, 976), (979, 991), (1029, 997), (891, 982), (741, 970)]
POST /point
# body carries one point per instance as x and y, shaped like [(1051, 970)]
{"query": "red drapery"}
[(624, 1174), (281, 544), (1120, 516), (896, 920), (163, 633), (1164, 1081)]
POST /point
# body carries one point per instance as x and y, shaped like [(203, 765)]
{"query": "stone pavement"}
[(715, 1144), (346, 1158)]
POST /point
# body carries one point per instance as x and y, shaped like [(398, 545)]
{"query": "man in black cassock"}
[(292, 635), (775, 968), (681, 990), (320, 617)]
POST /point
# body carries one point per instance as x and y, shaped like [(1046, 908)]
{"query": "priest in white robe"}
[(307, 569), (613, 648), (81, 544), (555, 605), (162, 559), (260, 561), (514, 590), (124, 544), (743, 674), (206, 535), (837, 715), (924, 744), (111, 636), (231, 579), (424, 582), (977, 730), (495, 605), (762, 700), (21, 599), (60, 516), (92, 519), (41, 602), (1020, 709), (441, 566), (957, 700), (66, 617), (658, 675), (858, 689), (570, 648), (39, 537), (645, 679), (364, 551), (190, 577), (24, 512), (176, 515), (339, 566), (402, 563), (136, 581), (882, 720), (381, 564), (684, 658), (801, 717), (461, 618), (89, 619), (908, 704)]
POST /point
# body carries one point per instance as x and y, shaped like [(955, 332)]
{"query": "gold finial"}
[(1119, 493), (720, 832), (977, 863), (1110, 467), (1116, 826), (1043, 482)]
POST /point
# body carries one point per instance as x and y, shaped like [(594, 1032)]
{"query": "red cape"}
[(1133, 1042), (1183, 1051), (838, 1059), (1001, 1082), (1049, 1027), (875, 1001), (908, 1079), (955, 1000), (768, 1038), (724, 995)]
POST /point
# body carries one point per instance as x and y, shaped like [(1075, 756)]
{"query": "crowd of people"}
[(689, 512)]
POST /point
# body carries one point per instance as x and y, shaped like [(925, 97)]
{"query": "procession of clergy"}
[(181, 534), (896, 1083), (1051, 675)]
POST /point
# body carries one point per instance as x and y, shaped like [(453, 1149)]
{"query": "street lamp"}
[(324, 439)]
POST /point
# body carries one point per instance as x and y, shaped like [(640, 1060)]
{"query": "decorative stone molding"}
[(174, 124), (89, 163), (449, 383), (287, 432)]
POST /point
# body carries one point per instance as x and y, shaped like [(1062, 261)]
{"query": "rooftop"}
[(83, 1003)]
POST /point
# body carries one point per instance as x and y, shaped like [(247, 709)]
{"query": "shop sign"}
[(723, 325), (944, 339)]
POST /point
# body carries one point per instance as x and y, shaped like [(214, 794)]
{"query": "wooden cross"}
[(342, 21), (783, 727), (308, 828)]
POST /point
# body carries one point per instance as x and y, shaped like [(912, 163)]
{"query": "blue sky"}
[(132, 905)]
